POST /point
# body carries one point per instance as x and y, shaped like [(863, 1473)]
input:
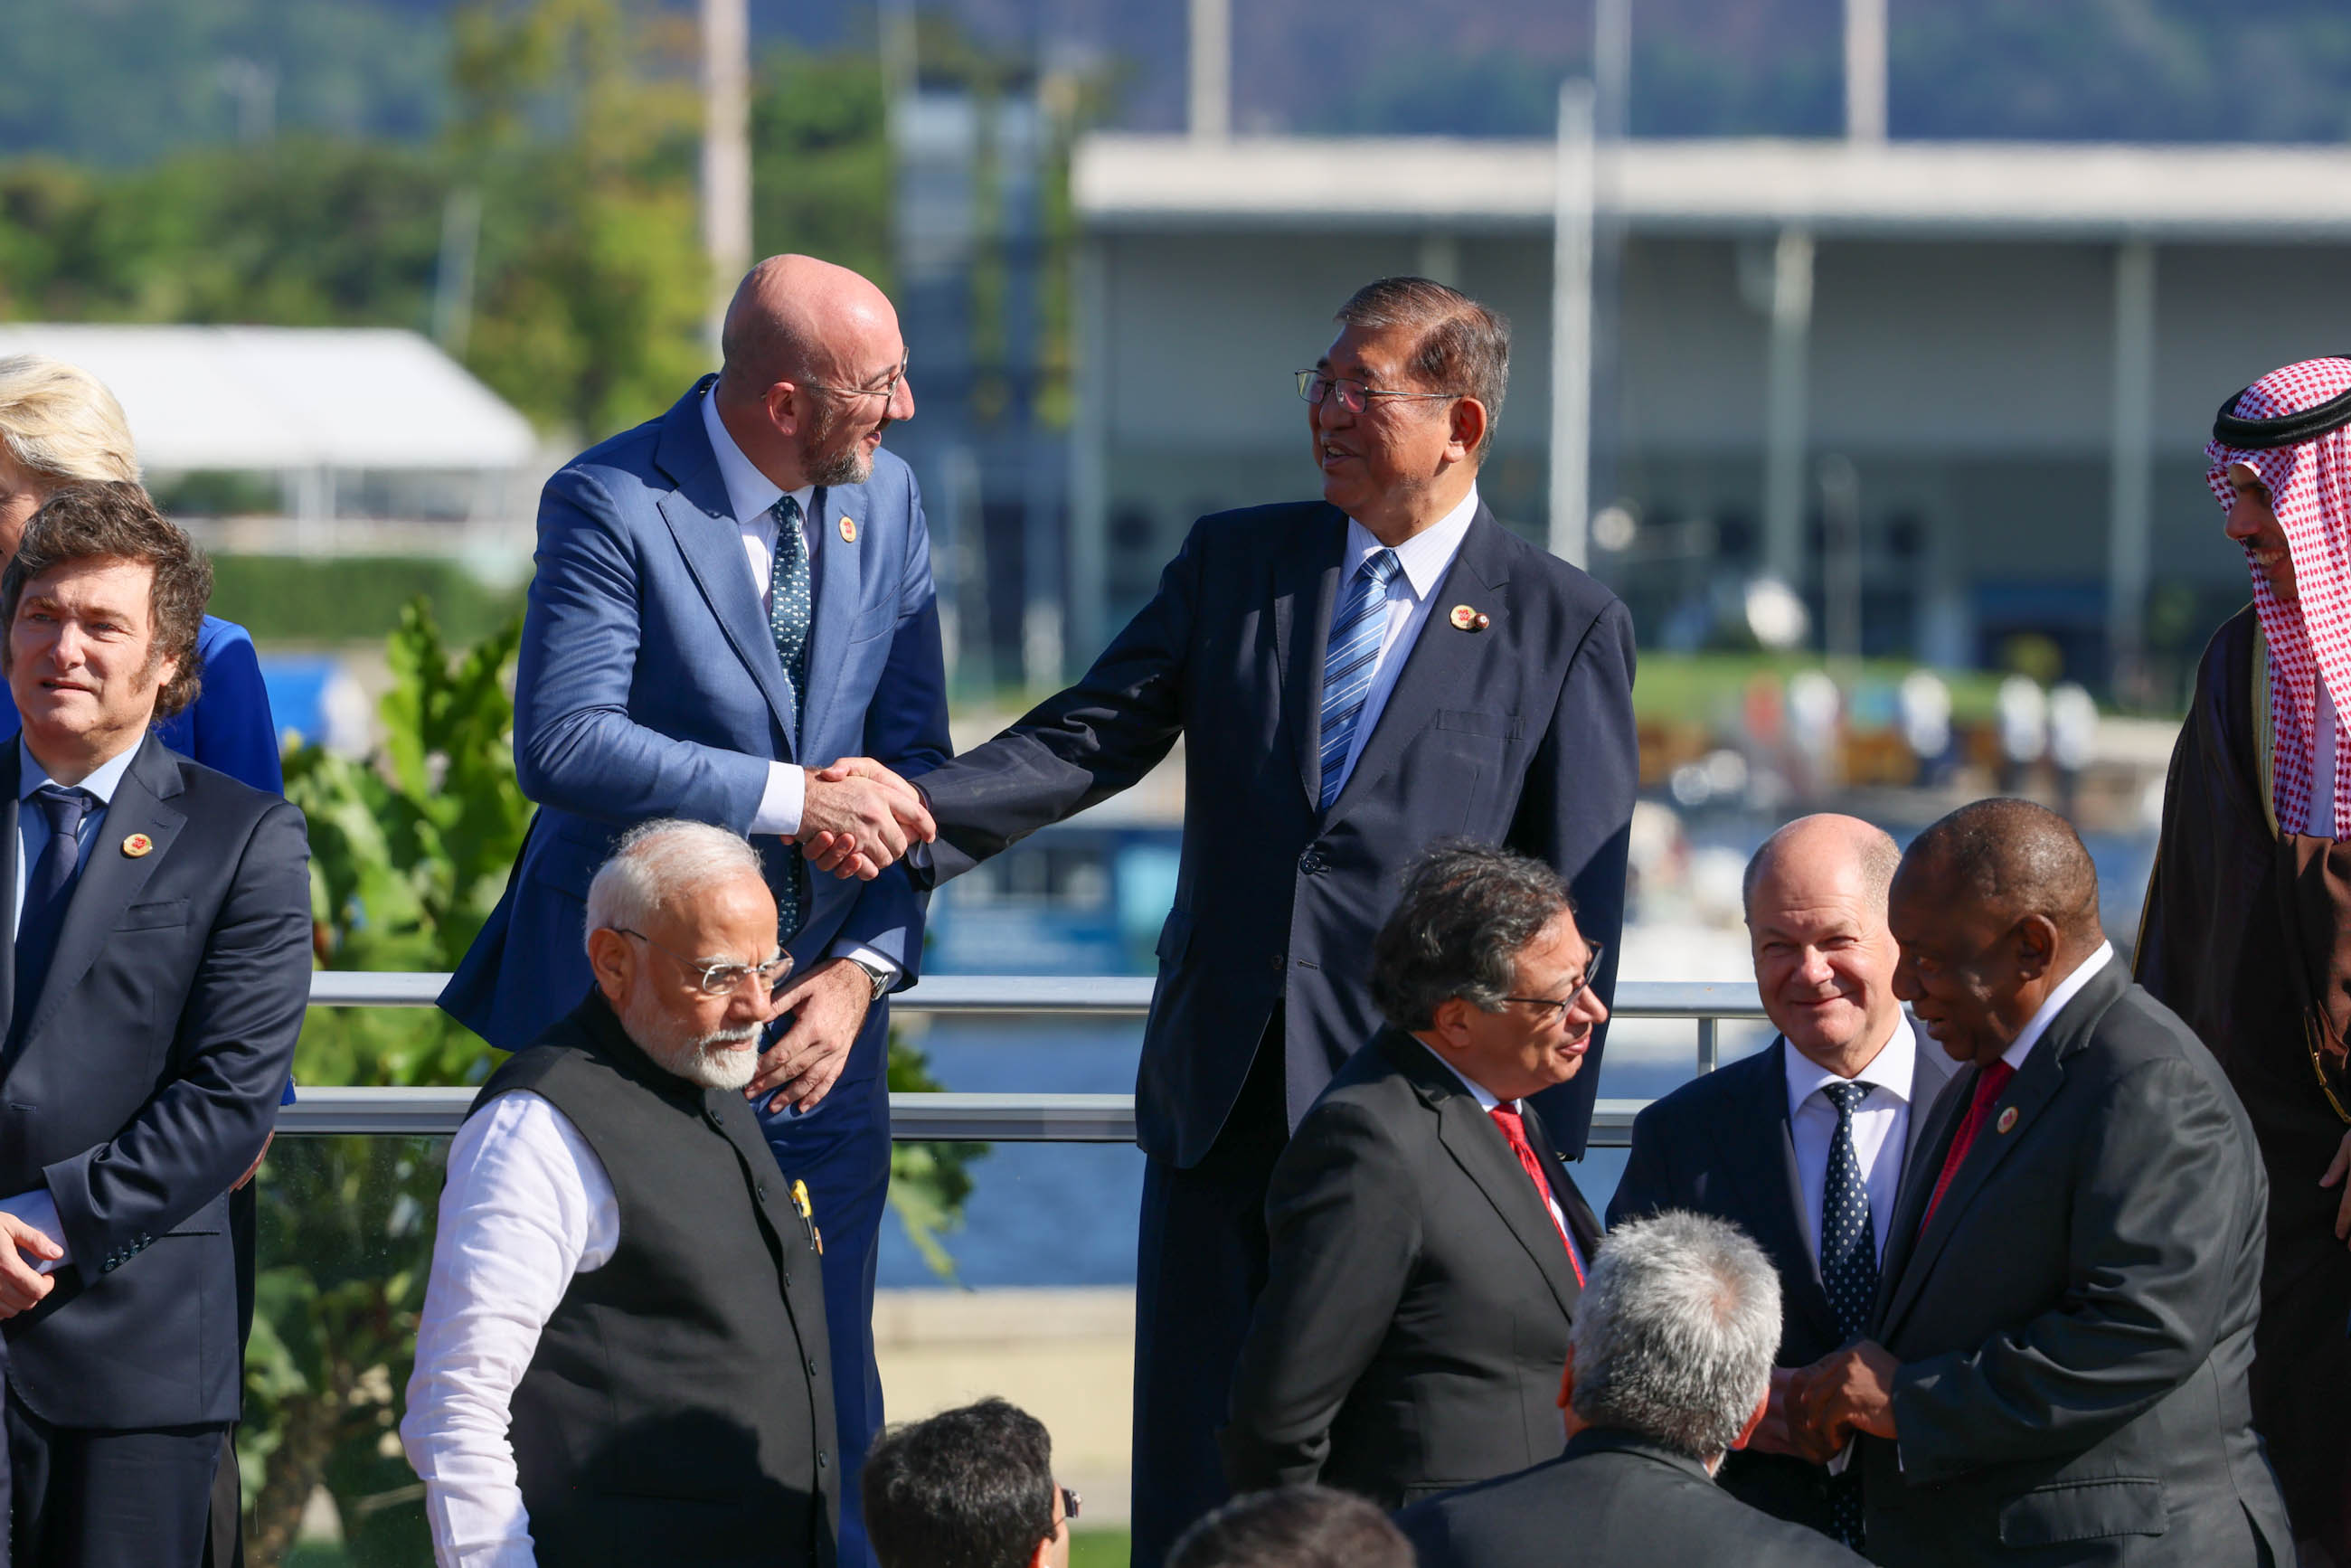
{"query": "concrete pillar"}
[(1571, 327), (1440, 259), (1786, 411), (1089, 557), (1211, 84), (2130, 484), (726, 149), (1865, 70)]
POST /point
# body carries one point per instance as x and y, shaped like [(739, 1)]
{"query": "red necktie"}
[(1989, 1083), (1514, 1128)]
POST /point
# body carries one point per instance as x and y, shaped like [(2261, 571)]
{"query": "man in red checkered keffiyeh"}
[(2247, 931)]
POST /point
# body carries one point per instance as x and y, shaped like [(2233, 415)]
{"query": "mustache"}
[(744, 1034)]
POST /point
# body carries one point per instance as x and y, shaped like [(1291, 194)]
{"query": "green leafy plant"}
[(928, 1182)]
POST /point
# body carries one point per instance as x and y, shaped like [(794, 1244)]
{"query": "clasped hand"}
[(1815, 1410), (858, 817)]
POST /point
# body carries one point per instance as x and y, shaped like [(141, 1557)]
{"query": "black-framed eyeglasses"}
[(1315, 387), (1069, 1501), (723, 979), (885, 392), (1591, 970)]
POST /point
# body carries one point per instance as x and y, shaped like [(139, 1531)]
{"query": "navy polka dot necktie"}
[(1848, 1271), (790, 612)]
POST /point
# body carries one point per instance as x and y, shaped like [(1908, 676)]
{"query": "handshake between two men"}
[(1815, 1411), (859, 818)]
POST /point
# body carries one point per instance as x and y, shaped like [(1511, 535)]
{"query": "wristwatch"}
[(882, 978)]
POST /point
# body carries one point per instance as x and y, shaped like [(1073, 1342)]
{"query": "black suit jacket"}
[(1415, 1320), (147, 1084), (1721, 1144), (2075, 1324), (1611, 1500), (1520, 733)]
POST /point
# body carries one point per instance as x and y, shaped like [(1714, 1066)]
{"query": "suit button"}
[(1313, 862), (811, 1366), (762, 1190), (820, 1460)]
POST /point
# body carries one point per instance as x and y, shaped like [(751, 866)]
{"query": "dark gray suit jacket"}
[(1721, 1144), (1611, 1500), (2075, 1324), (1415, 1321), (146, 1084), (1520, 733)]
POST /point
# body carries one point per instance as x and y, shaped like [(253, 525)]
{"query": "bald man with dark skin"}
[(728, 599), (2065, 1316)]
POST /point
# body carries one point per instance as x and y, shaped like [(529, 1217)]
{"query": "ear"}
[(1468, 429), (1450, 1022), (1755, 1417), (787, 406), (2036, 939), (1570, 1423), (613, 963)]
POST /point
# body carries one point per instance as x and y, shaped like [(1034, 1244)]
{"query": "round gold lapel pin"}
[(848, 530), (137, 844), (1468, 619), (2007, 1119)]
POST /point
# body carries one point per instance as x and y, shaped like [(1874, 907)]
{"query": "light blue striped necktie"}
[(1358, 626)]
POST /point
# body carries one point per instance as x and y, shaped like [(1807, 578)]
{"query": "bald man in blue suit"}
[(725, 593)]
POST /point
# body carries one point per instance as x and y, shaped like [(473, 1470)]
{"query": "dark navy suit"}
[(650, 686), (1515, 728), (144, 1084)]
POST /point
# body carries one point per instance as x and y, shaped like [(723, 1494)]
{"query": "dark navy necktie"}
[(48, 890), (1358, 626), (1848, 1271), (791, 607)]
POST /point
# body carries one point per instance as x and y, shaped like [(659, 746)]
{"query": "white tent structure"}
[(307, 404)]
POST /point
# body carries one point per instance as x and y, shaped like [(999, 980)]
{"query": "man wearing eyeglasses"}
[(1352, 677), (622, 1356), (726, 597), (1428, 1247)]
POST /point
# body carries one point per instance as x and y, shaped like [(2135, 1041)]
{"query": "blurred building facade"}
[(2018, 347)]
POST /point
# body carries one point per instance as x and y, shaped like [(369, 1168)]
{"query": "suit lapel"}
[(1442, 662), (1477, 1146), (699, 518), (838, 597), (1931, 1072), (1767, 1155), (2028, 1094), (1304, 587), (111, 877), (1581, 1223), (11, 778)]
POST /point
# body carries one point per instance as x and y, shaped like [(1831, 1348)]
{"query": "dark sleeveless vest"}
[(678, 1409)]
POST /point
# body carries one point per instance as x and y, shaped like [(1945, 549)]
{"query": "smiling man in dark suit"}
[(1802, 1145), (1428, 1247), (161, 966), (1352, 678), (2057, 1370)]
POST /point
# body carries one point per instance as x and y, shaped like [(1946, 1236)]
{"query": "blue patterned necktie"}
[(1848, 1271), (48, 890), (790, 613), (1358, 626)]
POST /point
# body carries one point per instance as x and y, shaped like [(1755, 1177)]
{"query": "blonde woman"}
[(59, 427)]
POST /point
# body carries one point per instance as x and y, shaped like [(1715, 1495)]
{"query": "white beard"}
[(713, 1060)]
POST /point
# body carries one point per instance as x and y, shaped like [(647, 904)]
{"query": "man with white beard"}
[(622, 1355)]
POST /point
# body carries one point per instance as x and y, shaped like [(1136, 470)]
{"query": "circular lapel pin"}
[(137, 844), (848, 530), (2007, 1119), (1469, 620)]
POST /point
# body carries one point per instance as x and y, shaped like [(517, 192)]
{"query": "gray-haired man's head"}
[(1675, 1335), (677, 900), (1481, 961)]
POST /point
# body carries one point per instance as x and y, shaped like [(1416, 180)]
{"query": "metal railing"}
[(952, 1117)]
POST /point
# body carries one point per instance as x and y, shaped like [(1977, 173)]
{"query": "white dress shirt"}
[(1881, 1128), (1486, 1102), (527, 1206), (2067, 990), (36, 1208), (1425, 558), (752, 497)]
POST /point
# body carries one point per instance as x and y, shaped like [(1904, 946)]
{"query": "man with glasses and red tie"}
[(1428, 1246), (1352, 678), (622, 1356)]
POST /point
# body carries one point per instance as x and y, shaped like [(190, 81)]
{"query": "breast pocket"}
[(160, 914)]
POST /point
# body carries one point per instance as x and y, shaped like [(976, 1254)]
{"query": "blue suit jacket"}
[(145, 1083), (649, 686), (1516, 729)]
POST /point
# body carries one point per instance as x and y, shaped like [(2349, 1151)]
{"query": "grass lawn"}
[(1098, 1549)]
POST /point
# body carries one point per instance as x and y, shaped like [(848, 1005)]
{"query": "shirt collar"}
[(1889, 1071), (102, 782), (2067, 990), (750, 493), (1423, 556), (1485, 1098)]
